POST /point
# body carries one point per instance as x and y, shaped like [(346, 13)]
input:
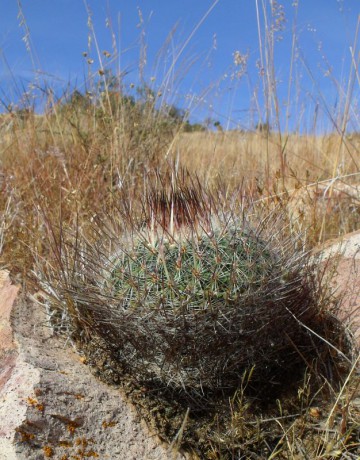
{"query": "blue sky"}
[(204, 77)]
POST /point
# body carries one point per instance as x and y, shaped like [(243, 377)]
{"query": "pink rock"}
[(51, 405), (343, 256)]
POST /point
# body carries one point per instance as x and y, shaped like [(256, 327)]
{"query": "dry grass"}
[(254, 156), (319, 189)]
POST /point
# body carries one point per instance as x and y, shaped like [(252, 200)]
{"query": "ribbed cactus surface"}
[(194, 273), (194, 311)]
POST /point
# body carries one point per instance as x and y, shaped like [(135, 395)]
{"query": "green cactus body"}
[(186, 311), (193, 273)]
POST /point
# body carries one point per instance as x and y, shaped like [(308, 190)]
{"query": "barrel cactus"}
[(191, 303), (190, 296)]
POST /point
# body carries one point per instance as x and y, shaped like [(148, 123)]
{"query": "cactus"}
[(193, 274), (192, 297), (193, 309), (185, 283)]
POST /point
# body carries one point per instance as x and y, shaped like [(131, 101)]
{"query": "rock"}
[(51, 405), (12, 406), (343, 257)]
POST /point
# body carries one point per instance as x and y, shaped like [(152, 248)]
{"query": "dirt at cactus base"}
[(245, 424)]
